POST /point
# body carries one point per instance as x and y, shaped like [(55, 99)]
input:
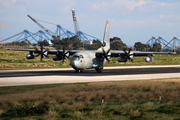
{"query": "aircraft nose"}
[(76, 63)]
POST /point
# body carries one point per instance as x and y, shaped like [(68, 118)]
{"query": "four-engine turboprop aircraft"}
[(88, 59)]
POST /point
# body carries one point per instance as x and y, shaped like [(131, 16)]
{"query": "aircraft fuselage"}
[(86, 60)]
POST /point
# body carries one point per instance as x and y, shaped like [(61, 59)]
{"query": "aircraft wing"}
[(71, 52), (116, 53)]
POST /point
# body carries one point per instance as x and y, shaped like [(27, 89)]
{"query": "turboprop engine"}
[(122, 59), (30, 55), (56, 58), (127, 56), (148, 59), (61, 55)]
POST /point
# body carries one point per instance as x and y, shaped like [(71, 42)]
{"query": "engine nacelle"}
[(56, 58), (122, 59), (30, 56), (148, 59)]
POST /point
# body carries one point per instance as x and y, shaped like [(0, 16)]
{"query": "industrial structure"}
[(173, 44), (24, 35), (5, 25), (83, 36), (46, 34)]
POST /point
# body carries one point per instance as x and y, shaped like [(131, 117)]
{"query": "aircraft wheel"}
[(81, 71), (77, 71), (98, 70)]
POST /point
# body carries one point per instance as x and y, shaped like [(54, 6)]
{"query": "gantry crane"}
[(82, 35), (60, 31), (76, 27), (5, 25), (45, 29)]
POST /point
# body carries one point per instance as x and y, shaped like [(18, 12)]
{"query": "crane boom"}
[(4, 25), (76, 26), (45, 29)]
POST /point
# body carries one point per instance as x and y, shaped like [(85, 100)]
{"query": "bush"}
[(167, 109), (65, 115), (86, 109), (117, 112), (25, 110), (65, 111)]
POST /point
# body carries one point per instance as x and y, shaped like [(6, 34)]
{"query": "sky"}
[(131, 20)]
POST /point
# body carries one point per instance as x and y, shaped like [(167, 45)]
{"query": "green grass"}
[(17, 60), (125, 100)]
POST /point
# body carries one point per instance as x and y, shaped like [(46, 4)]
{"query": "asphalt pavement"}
[(67, 75)]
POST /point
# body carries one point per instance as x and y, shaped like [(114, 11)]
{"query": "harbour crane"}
[(60, 31), (76, 26), (83, 36), (5, 25), (45, 29)]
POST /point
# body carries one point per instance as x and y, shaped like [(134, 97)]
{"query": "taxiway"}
[(68, 75)]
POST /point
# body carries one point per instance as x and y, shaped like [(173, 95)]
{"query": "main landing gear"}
[(78, 71), (98, 70)]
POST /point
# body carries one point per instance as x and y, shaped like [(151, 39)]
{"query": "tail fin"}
[(106, 40)]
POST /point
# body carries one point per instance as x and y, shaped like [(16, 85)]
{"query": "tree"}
[(138, 46), (56, 42), (156, 47), (117, 44), (44, 43), (178, 51), (76, 42), (141, 47), (94, 46), (21, 43), (97, 44), (66, 42)]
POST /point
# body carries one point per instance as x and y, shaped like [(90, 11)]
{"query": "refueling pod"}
[(148, 59), (30, 55)]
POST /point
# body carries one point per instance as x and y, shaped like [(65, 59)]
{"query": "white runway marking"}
[(16, 81), (34, 80)]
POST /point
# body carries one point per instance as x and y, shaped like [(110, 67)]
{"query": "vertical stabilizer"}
[(106, 40)]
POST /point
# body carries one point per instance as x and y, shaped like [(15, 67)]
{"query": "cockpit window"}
[(77, 57), (81, 56)]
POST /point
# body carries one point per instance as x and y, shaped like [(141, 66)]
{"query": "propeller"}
[(105, 54), (63, 54), (129, 54), (41, 52)]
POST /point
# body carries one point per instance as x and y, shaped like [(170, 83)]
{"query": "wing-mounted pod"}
[(149, 59), (30, 55)]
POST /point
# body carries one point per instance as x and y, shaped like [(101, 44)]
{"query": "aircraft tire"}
[(98, 70), (77, 71)]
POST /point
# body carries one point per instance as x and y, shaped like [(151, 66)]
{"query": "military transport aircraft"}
[(88, 59)]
